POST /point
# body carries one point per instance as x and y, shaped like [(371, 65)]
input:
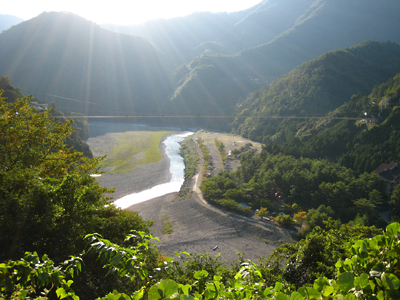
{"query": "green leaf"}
[(200, 274), (186, 297), (282, 296), (185, 288), (61, 293), (267, 292), (217, 278), (361, 246), (346, 281), (390, 281), (302, 292), (339, 264), (363, 280), (169, 287), (154, 293), (320, 283), (380, 295), (278, 286), (393, 229), (137, 295), (296, 296), (349, 297), (328, 290), (312, 293)]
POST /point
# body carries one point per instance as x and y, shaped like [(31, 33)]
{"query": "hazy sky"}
[(122, 11)]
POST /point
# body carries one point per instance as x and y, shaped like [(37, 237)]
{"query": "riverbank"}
[(198, 227), (101, 142), (184, 222)]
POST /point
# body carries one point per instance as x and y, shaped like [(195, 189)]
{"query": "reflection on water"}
[(176, 169)]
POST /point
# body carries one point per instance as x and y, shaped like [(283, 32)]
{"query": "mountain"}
[(177, 38), (325, 26), (7, 21), (82, 67), (315, 88), (360, 134), (181, 38), (63, 58)]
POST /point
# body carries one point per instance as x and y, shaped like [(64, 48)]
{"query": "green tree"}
[(316, 217), (48, 200), (395, 201), (263, 212)]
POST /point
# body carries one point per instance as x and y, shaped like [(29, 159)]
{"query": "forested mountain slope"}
[(315, 88), (325, 26), (361, 145), (63, 58)]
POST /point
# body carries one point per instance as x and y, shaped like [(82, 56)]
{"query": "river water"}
[(176, 168)]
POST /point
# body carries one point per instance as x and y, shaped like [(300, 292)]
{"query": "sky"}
[(122, 12)]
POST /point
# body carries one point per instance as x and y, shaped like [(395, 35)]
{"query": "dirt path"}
[(230, 142)]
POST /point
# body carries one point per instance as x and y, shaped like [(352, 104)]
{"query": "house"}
[(390, 173), (39, 106)]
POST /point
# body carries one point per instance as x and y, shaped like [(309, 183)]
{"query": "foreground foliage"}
[(48, 200), (371, 271)]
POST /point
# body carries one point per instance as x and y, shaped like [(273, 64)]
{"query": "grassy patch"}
[(206, 155), (133, 149), (167, 228), (190, 156), (221, 149)]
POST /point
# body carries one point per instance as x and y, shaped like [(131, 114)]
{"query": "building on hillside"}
[(390, 173), (39, 106)]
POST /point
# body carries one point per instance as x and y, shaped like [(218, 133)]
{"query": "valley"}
[(196, 226), (271, 137)]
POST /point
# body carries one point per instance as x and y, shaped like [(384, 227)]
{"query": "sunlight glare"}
[(123, 12)]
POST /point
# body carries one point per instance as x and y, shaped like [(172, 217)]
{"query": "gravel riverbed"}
[(197, 227)]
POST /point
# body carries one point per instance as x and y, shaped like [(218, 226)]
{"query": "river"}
[(176, 168)]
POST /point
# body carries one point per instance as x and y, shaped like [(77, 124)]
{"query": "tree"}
[(375, 198), (48, 200), (285, 220), (300, 217), (263, 212), (395, 201), (316, 217)]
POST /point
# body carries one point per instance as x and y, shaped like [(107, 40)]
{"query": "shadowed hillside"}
[(325, 26), (63, 58)]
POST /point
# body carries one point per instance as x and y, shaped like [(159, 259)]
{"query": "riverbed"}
[(138, 179), (196, 227), (176, 168)]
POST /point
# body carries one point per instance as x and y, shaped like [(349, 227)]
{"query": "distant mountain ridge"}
[(82, 67), (315, 88), (325, 26), (7, 21), (63, 58), (179, 37)]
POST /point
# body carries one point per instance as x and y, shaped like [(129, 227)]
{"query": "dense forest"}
[(360, 134)]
